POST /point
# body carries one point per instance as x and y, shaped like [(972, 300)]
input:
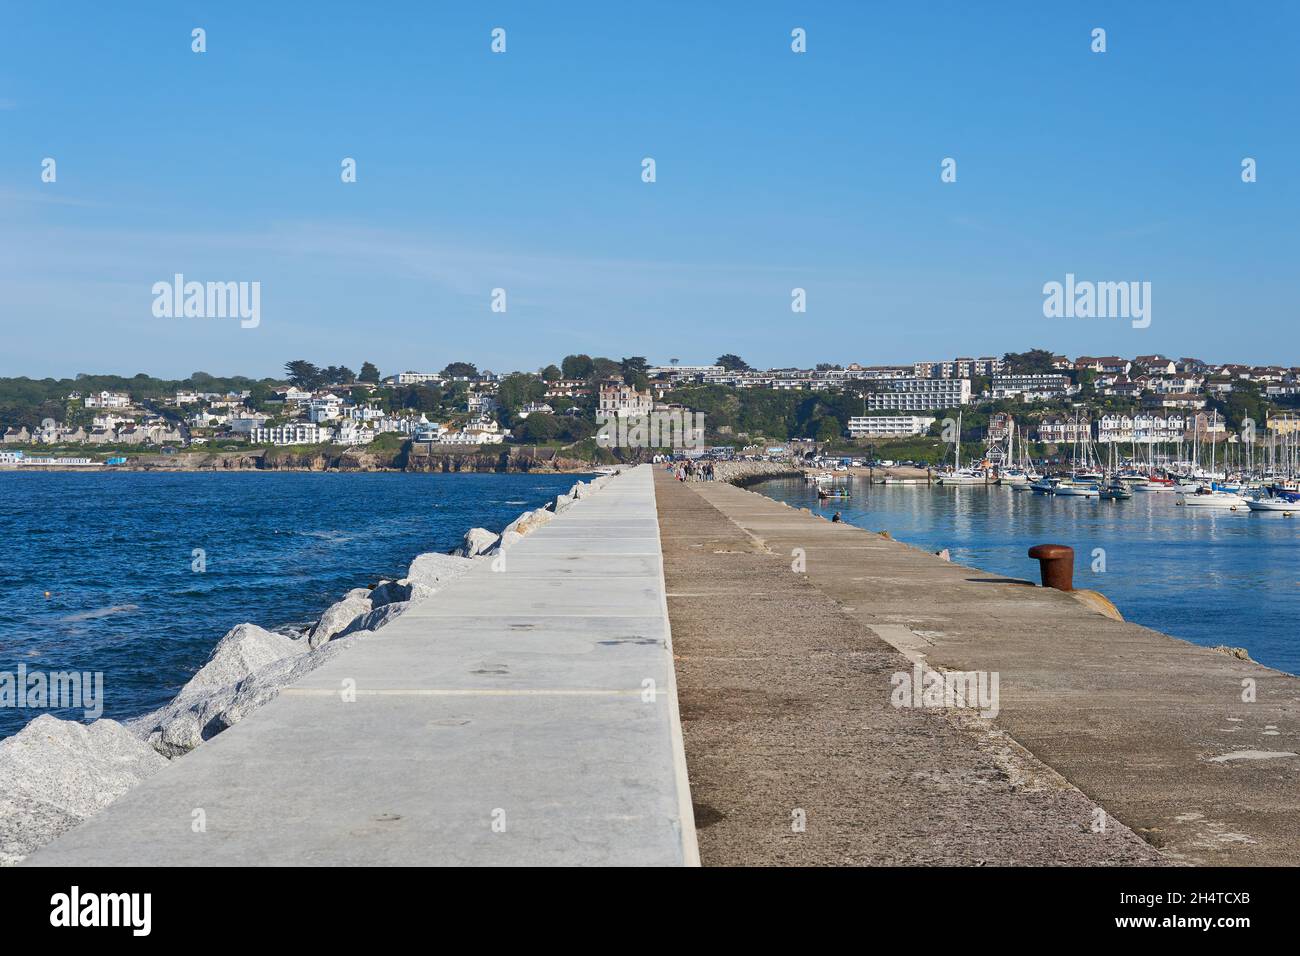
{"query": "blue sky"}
[(522, 171)]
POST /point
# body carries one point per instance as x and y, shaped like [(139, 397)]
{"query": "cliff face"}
[(463, 461), (422, 458), (347, 459), (506, 460), (197, 461), (272, 459)]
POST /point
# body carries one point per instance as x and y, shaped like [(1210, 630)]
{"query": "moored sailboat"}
[(1204, 497), (959, 475), (1156, 484)]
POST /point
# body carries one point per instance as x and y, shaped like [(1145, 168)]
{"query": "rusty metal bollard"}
[(1055, 564)]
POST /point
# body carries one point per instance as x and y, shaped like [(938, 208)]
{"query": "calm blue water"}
[(1205, 575), (115, 553)]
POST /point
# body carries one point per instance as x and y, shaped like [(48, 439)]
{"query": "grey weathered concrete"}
[(787, 717), (515, 695), (1152, 729)]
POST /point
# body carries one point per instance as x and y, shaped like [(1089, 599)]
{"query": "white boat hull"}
[(1212, 501), (961, 479), (1064, 491), (1273, 504)]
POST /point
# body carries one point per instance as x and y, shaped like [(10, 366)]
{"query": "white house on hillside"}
[(621, 400), (108, 400)]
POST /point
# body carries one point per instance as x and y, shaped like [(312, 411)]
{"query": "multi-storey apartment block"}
[(920, 394)]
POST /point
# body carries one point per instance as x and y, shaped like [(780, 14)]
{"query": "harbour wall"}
[(1109, 743), (524, 715)]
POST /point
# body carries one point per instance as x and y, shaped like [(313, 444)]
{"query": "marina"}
[(1249, 473)]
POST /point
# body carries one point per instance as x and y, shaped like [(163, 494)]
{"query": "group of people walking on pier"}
[(691, 470)]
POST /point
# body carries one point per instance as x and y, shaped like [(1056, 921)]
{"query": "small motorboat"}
[(1273, 504), (834, 493), (1045, 486), (1115, 491), (1070, 488), (1275, 499)]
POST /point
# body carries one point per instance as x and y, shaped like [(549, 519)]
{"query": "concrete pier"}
[(1106, 732), (524, 716), (528, 714)]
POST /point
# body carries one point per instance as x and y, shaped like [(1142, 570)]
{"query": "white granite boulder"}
[(189, 720), (244, 649), (530, 521), (430, 572), (477, 541), (248, 668), (56, 773), (390, 592), (376, 618), (266, 684), (192, 717), (339, 615), (508, 540)]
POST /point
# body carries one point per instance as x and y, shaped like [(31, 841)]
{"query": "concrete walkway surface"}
[(1153, 730), (505, 721)]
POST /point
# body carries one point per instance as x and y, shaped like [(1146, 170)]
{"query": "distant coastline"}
[(100, 469), (512, 460)]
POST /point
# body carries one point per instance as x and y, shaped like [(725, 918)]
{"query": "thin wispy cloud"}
[(49, 197)]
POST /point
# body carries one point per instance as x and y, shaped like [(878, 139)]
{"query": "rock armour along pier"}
[(526, 715)]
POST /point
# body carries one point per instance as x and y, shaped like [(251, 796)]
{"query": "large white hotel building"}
[(889, 426), (920, 394)]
